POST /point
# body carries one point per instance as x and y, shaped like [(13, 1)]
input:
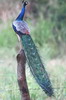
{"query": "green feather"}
[(36, 65)]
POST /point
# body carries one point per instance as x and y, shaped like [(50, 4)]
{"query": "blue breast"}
[(17, 32), (14, 28)]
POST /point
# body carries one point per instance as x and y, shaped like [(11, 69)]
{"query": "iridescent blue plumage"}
[(21, 15), (33, 58)]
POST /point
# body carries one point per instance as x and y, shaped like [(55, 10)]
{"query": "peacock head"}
[(25, 2)]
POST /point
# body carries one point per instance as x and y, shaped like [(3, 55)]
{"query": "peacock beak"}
[(25, 2)]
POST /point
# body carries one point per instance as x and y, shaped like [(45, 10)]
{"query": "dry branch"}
[(21, 61)]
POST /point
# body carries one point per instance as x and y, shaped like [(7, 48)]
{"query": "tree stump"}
[(21, 77)]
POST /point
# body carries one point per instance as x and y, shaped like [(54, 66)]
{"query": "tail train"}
[(36, 65)]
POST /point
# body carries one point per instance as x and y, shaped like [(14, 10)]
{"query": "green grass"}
[(42, 33), (9, 89), (7, 36)]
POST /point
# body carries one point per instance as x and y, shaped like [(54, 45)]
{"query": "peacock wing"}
[(21, 26)]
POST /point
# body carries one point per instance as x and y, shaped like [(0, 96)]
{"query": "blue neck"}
[(21, 15)]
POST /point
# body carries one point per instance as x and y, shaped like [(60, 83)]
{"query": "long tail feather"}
[(36, 65)]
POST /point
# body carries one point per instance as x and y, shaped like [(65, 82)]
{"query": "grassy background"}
[(55, 65)]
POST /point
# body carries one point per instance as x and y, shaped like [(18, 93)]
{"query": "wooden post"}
[(21, 61)]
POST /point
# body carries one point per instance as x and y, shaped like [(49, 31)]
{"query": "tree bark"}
[(21, 61)]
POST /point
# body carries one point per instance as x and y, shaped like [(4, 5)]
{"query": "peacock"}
[(34, 61)]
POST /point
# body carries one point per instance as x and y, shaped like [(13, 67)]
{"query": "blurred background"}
[(47, 22)]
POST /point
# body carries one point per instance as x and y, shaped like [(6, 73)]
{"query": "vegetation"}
[(48, 30), (8, 79), (7, 36)]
